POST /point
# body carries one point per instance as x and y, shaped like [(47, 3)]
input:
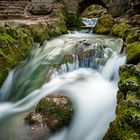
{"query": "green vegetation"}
[(104, 24), (133, 35), (56, 112), (121, 30), (127, 123), (73, 21), (133, 53), (15, 44)]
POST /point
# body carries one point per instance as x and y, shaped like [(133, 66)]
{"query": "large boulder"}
[(54, 112), (104, 24)]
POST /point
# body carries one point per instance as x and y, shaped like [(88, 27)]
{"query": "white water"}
[(90, 22), (93, 95)]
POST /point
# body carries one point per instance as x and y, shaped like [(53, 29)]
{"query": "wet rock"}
[(53, 112), (104, 24)]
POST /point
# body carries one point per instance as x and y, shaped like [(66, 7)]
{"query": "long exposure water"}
[(91, 86)]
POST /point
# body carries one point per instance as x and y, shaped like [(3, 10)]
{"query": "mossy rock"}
[(133, 53), (58, 25), (56, 112), (133, 35), (39, 31), (121, 30), (73, 21), (127, 123), (15, 44), (104, 24)]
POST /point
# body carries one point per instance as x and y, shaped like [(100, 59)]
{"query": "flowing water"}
[(90, 22), (90, 84)]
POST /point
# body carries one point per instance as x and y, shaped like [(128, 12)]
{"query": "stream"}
[(82, 66)]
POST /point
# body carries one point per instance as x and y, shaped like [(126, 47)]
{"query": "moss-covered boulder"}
[(127, 123), (54, 112), (58, 25), (15, 44), (133, 35), (73, 21), (121, 30), (39, 31), (133, 53), (104, 24)]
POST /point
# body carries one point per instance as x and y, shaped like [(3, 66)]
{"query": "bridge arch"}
[(85, 4)]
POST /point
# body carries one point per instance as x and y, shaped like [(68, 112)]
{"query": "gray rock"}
[(42, 7)]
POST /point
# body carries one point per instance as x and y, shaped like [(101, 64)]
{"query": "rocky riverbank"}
[(18, 37), (127, 122)]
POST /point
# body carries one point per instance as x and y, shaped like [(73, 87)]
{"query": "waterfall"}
[(91, 86), (90, 22)]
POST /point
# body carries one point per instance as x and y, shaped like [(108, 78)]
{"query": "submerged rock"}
[(53, 112), (127, 123)]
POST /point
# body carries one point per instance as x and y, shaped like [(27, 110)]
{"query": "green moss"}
[(57, 27), (73, 21), (133, 35), (133, 53), (127, 123), (39, 32), (14, 47), (104, 24), (56, 111), (121, 30)]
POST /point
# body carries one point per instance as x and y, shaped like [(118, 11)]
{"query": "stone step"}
[(11, 8), (12, 12), (18, 4), (3, 16), (13, 5)]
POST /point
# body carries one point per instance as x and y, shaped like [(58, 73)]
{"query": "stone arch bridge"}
[(114, 7)]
